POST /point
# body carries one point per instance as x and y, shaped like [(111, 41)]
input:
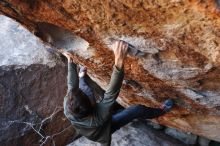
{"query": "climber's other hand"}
[(120, 49)]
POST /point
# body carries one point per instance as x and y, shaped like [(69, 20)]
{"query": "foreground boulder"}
[(179, 41), (134, 134), (32, 87)]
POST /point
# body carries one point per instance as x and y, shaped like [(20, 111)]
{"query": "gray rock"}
[(155, 125), (182, 136), (134, 134), (20, 47), (32, 87)]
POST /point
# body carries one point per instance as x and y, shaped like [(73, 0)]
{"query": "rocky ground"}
[(147, 133), (135, 134)]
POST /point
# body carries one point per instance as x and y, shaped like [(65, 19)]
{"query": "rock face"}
[(189, 139), (179, 40), (32, 86), (134, 134)]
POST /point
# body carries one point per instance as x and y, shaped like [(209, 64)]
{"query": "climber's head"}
[(78, 104)]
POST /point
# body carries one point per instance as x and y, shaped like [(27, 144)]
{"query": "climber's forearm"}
[(106, 105), (72, 78), (115, 83)]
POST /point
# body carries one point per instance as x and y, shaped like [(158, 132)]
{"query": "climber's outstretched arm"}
[(105, 107), (120, 51), (72, 78)]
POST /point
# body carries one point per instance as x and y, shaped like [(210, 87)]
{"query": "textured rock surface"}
[(181, 39), (19, 47), (187, 138), (32, 86), (26, 103), (135, 134)]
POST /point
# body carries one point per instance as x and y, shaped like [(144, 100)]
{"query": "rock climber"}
[(94, 120)]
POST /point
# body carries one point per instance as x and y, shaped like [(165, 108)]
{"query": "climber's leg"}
[(138, 111)]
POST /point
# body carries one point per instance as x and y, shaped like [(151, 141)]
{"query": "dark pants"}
[(125, 116)]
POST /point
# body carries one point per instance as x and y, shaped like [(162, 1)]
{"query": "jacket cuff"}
[(119, 71)]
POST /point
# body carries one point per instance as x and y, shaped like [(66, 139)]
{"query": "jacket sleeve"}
[(104, 108), (72, 78)]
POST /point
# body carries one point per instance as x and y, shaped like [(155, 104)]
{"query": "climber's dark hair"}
[(78, 104)]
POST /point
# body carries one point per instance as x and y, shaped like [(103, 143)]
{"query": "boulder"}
[(134, 134), (155, 125), (187, 138), (32, 87)]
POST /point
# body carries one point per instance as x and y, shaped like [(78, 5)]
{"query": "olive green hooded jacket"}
[(96, 126)]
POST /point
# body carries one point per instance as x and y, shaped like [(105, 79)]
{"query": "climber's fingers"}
[(125, 48), (120, 47), (68, 56)]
